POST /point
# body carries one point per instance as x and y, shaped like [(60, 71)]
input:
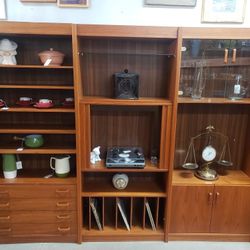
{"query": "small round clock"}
[(208, 153)]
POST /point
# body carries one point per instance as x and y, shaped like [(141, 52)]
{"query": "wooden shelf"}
[(143, 101), (232, 177), (241, 61), (112, 234), (39, 129), (33, 109), (100, 167), (23, 86), (35, 67), (104, 188), (212, 100), (41, 150)]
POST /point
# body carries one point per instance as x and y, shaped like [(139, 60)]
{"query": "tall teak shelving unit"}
[(34, 209)]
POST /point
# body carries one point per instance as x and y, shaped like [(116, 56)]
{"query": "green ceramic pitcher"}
[(9, 162)]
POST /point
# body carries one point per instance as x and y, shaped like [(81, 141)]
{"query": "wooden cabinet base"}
[(208, 237)]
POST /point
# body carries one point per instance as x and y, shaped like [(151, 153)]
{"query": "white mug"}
[(62, 166), (45, 101)]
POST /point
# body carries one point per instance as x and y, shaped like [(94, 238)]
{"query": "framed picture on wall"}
[(223, 11), (170, 2), (73, 3), (2, 9), (38, 1)]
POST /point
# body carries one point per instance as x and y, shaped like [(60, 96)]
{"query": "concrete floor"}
[(132, 245)]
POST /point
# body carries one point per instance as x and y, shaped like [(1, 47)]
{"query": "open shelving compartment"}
[(109, 122), (30, 78), (123, 216)]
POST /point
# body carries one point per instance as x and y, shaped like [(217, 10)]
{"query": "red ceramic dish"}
[(43, 105)]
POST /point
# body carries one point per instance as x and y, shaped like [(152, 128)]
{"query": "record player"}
[(125, 157)]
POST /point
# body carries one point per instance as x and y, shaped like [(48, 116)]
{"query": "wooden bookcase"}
[(108, 122), (216, 210), (34, 208)]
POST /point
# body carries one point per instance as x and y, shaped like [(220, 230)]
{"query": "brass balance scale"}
[(210, 153)]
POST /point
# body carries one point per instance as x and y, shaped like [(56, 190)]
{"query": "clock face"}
[(208, 153)]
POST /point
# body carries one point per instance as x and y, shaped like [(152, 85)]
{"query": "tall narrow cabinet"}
[(32, 207), (216, 209), (109, 122)]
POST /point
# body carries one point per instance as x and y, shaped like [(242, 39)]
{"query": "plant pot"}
[(10, 174)]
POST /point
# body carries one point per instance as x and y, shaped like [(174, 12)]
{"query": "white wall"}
[(123, 12)]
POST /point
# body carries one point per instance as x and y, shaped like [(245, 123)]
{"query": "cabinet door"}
[(191, 209), (231, 210)]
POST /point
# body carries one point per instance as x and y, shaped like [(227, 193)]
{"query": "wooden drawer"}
[(38, 229), (37, 204), (33, 191), (36, 217)]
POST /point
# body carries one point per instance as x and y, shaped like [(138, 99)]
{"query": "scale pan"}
[(190, 165), (225, 163)]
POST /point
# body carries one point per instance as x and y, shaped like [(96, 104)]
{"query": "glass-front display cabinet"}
[(215, 69)]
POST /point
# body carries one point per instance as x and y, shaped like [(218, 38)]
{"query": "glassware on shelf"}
[(236, 91), (199, 81)]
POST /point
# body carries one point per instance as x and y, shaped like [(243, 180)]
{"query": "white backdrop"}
[(123, 12)]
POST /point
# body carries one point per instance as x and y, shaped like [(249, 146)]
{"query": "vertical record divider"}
[(144, 213), (103, 213), (90, 227), (116, 213), (157, 212), (131, 213)]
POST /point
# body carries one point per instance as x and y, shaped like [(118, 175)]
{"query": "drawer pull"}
[(63, 229), (4, 217), (5, 204), (63, 216), (2, 230), (62, 204), (62, 191)]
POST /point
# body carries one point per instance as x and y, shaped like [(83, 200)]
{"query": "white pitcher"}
[(62, 166)]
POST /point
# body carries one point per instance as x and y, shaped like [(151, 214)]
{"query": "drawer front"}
[(62, 229), (32, 191), (38, 204), (37, 217)]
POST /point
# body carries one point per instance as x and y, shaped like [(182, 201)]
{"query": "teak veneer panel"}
[(33, 28), (126, 31)]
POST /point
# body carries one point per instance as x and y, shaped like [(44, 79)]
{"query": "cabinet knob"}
[(210, 198), (5, 217), (3, 230), (63, 216), (63, 229), (234, 56), (62, 204), (7, 204), (226, 56)]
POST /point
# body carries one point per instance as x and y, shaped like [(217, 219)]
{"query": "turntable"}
[(125, 157)]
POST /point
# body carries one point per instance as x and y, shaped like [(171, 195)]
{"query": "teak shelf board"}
[(100, 167), (23, 86), (46, 129), (33, 109), (142, 101), (232, 177), (211, 100), (39, 151), (241, 61), (126, 31), (103, 188), (35, 67), (33, 28)]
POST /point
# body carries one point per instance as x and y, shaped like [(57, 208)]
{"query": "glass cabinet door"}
[(214, 68)]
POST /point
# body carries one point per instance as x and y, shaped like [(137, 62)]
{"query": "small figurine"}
[(95, 155), (8, 52)]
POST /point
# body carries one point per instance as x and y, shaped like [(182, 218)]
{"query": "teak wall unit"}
[(183, 207)]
